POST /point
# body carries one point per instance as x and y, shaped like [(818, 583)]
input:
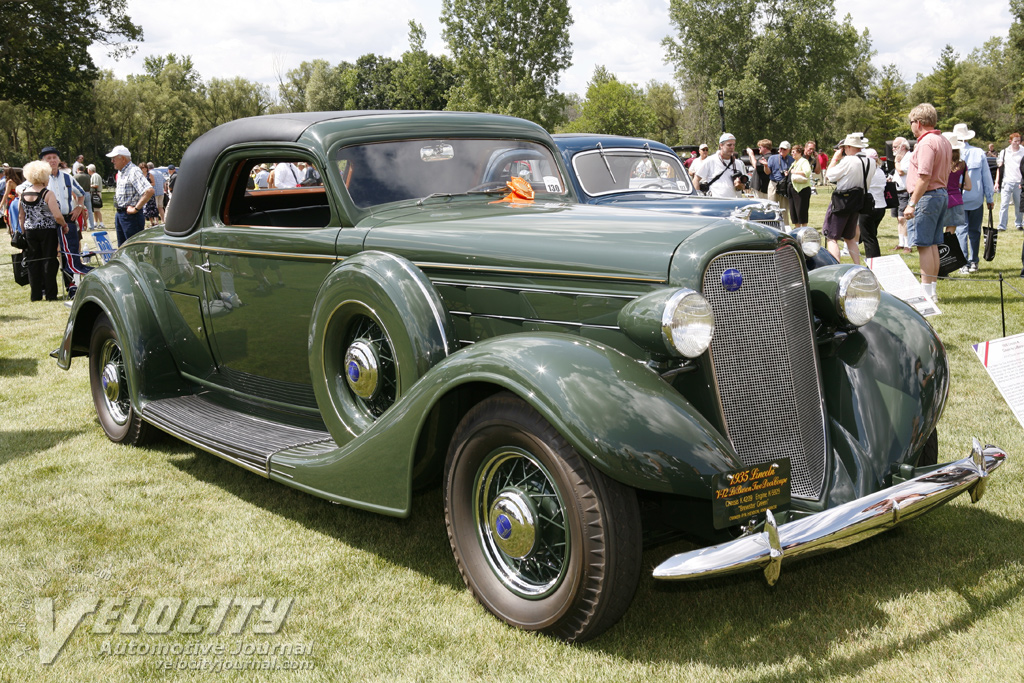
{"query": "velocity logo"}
[(130, 616)]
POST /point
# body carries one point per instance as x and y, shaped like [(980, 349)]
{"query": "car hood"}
[(555, 239), (687, 204)]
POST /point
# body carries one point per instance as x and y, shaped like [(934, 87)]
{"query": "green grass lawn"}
[(940, 598)]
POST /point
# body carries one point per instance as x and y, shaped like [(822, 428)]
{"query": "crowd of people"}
[(46, 206), (939, 183)]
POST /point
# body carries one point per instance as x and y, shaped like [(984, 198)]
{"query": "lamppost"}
[(721, 107)]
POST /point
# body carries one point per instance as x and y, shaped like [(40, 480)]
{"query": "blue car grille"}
[(763, 354)]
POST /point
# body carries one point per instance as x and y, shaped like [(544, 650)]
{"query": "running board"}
[(242, 439)]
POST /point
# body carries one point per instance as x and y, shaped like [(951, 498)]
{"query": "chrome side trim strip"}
[(546, 273), (515, 318), (534, 290), (841, 526)]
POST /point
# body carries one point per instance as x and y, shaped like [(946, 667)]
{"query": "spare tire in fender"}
[(377, 326)]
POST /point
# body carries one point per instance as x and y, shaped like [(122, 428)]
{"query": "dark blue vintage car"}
[(612, 170)]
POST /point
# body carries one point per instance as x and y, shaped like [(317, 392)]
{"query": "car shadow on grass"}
[(26, 442), (19, 367), (834, 615), (419, 542)]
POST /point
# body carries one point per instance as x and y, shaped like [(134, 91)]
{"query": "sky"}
[(262, 39)]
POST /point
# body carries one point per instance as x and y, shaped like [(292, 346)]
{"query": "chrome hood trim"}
[(839, 527)]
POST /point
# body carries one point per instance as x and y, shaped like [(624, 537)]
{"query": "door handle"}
[(205, 267)]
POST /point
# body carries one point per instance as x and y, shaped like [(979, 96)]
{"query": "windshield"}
[(630, 170), (385, 172)]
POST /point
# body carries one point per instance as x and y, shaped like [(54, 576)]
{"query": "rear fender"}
[(114, 291)]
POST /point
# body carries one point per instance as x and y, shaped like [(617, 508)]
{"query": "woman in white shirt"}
[(847, 170), (901, 154)]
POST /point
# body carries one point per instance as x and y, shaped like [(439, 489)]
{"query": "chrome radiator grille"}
[(772, 223), (763, 356)]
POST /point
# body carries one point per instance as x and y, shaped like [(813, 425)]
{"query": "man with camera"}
[(721, 174)]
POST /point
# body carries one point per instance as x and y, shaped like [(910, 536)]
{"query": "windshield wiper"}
[(600, 151), (432, 195)]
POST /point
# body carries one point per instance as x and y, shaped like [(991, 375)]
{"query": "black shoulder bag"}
[(705, 187), (852, 201)]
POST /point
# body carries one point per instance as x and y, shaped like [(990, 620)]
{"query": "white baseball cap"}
[(726, 137), (119, 151)]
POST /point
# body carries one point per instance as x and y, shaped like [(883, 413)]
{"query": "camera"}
[(704, 186), (741, 177)]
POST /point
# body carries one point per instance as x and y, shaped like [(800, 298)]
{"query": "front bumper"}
[(839, 527)]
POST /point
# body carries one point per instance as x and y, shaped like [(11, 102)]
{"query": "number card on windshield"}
[(746, 493)]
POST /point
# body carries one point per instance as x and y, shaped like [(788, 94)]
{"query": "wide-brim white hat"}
[(963, 132), (855, 140), (954, 141)]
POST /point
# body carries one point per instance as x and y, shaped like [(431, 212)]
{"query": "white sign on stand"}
[(897, 279), (1004, 361)]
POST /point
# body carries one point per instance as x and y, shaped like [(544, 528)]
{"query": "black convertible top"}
[(197, 163)]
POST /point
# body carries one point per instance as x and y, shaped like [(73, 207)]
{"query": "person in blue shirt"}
[(969, 233), (778, 165)]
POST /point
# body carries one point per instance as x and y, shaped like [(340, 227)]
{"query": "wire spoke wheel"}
[(543, 540), (521, 523), (111, 389), (115, 382), (371, 367)]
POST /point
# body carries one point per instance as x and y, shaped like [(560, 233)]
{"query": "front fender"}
[(617, 413), (886, 385), (114, 291)]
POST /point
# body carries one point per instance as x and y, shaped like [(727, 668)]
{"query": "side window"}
[(276, 192)]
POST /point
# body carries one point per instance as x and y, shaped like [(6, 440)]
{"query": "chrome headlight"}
[(669, 322), (809, 239), (858, 296), (688, 323)]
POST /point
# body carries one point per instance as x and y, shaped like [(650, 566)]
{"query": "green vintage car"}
[(431, 305)]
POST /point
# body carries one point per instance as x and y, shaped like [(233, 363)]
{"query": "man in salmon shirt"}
[(926, 183)]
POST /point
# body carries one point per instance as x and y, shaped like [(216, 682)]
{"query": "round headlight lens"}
[(810, 240), (688, 323), (859, 296)]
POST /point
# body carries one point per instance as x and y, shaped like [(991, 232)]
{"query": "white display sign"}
[(897, 279), (1004, 361)]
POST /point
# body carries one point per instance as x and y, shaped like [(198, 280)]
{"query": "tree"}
[(228, 99), (666, 112), (44, 58), (421, 80), (786, 65), (613, 108), (1015, 49), (323, 89), (887, 102), (508, 56)]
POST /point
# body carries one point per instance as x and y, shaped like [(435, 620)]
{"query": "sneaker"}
[(964, 270), (1020, 227), (973, 268), (1002, 228)]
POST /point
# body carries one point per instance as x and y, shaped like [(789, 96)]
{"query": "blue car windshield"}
[(607, 171), (384, 172)]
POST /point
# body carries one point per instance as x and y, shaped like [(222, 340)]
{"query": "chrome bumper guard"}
[(839, 527)]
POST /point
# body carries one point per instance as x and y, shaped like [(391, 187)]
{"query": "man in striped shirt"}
[(131, 195)]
